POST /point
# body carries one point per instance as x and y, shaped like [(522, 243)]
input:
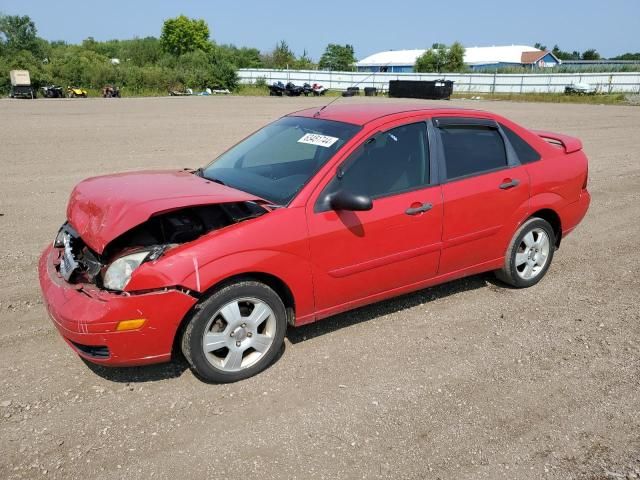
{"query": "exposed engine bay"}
[(79, 264)]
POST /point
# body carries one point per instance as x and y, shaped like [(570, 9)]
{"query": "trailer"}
[(21, 84)]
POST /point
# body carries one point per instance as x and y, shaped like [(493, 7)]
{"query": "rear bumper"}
[(87, 319), (572, 214)]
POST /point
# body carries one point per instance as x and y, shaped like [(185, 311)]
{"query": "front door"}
[(358, 254)]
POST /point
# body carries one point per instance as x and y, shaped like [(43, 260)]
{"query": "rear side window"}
[(469, 150), (526, 153)]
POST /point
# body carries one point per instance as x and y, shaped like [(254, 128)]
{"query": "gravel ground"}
[(465, 380)]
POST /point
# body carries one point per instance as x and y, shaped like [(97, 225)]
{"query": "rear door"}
[(485, 192)]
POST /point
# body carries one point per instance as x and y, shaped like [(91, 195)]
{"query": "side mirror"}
[(344, 200)]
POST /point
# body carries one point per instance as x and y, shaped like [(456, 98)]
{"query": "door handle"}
[(510, 184), (425, 207)]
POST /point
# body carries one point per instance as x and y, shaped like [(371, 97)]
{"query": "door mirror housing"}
[(345, 200)]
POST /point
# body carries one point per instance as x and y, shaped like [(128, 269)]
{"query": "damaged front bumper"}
[(88, 318)]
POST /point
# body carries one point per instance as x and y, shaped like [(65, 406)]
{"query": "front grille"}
[(77, 262), (95, 351)]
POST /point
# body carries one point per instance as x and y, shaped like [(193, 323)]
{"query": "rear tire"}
[(529, 254), (235, 333)]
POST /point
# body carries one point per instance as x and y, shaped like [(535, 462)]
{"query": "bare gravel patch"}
[(465, 380)]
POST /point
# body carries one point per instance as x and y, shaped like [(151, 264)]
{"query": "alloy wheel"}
[(532, 254), (239, 334)]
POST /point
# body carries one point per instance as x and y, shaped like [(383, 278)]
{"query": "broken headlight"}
[(119, 272)]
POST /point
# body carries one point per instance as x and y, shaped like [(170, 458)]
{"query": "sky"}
[(370, 26)]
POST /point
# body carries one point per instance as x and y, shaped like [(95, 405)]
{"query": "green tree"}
[(430, 61), (540, 46), (628, 56), (181, 35), (18, 33), (590, 54), (280, 57), (303, 62), (562, 55), (337, 57), (455, 58), (140, 51), (441, 59), (241, 57)]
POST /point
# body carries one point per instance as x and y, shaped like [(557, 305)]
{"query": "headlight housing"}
[(119, 272)]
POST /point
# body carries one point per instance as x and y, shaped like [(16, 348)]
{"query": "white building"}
[(476, 58)]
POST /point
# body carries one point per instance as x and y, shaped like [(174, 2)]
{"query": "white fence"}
[(463, 82)]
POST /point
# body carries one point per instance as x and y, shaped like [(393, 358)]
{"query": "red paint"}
[(329, 261), (570, 144), (89, 317), (479, 217), (103, 208)]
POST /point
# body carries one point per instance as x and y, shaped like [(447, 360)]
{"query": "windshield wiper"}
[(200, 173), (215, 180)]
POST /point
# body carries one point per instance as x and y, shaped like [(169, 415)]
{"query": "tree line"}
[(184, 55), (589, 54)]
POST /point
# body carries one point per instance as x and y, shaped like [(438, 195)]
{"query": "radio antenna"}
[(354, 85)]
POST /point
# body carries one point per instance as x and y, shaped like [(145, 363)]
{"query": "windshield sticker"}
[(317, 139)]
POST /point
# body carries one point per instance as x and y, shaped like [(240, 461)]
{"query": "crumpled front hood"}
[(103, 208)]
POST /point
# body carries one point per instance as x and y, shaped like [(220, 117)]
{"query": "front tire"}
[(235, 333), (529, 254)]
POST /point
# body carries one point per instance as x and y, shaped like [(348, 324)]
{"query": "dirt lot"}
[(466, 380)]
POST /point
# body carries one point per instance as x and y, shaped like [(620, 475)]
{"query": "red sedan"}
[(321, 211)]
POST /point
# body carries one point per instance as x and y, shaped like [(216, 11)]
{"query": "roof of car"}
[(362, 113)]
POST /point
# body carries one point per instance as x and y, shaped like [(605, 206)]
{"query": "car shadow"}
[(142, 374), (386, 307), (177, 366)]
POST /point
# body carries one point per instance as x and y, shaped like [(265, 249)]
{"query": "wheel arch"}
[(275, 283), (554, 220)]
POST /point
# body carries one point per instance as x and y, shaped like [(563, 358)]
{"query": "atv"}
[(52, 91), (293, 90), (276, 89), (73, 92), (110, 91)]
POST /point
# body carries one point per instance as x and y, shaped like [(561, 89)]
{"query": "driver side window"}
[(392, 162)]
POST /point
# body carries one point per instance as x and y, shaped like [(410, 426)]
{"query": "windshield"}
[(277, 161)]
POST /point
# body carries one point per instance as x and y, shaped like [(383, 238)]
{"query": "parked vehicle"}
[(73, 92), (21, 85), (579, 89), (52, 91), (318, 89), (276, 89), (293, 90), (181, 93), (110, 91), (362, 203), (307, 89)]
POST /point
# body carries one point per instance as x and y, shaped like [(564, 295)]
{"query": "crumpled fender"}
[(185, 270)]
